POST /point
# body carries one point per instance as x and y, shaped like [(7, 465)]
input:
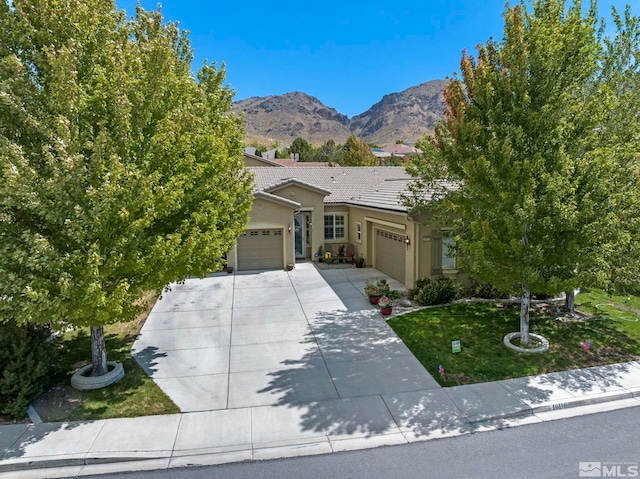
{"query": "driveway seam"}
[(233, 303)]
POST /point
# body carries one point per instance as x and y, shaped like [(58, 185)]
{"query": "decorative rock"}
[(404, 302), (83, 383)]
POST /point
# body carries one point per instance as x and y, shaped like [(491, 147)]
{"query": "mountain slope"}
[(286, 117), (398, 116), (402, 116)]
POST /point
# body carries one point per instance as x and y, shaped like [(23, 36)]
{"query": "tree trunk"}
[(570, 302), (98, 351), (524, 316)]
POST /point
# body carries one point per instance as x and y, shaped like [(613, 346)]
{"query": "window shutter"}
[(436, 255)]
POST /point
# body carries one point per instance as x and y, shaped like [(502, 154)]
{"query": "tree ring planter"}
[(84, 383), (544, 344)]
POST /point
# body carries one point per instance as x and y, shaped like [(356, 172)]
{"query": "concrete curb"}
[(258, 452)]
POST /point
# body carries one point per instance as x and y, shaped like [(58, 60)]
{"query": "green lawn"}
[(614, 337), (135, 395)]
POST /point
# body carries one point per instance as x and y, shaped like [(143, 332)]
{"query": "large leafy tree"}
[(120, 172), (302, 147), (357, 152), (539, 152), (329, 152)]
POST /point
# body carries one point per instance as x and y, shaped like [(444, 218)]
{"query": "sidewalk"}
[(363, 403)]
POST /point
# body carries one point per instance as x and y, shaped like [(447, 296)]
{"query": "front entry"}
[(299, 221)]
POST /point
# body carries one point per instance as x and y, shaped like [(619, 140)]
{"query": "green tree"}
[(329, 152), (120, 172), (536, 165), (356, 152), (393, 160), (283, 153), (303, 149)]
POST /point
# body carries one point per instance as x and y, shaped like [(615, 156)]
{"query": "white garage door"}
[(260, 249), (390, 254)]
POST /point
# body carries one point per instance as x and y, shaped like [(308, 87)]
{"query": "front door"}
[(299, 238)]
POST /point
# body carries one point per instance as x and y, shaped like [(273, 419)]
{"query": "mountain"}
[(286, 117), (398, 116), (402, 116)]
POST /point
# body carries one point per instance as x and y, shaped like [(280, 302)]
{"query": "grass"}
[(135, 395), (614, 334)]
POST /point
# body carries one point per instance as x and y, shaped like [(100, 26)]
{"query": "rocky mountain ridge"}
[(406, 116)]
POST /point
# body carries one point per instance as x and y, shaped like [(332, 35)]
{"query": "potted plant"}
[(359, 260), (372, 292), (385, 305), (383, 287)]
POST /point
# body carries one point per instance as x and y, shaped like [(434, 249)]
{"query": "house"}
[(297, 211), (380, 155), (401, 150)]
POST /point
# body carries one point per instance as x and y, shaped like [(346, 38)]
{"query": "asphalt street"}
[(556, 449)]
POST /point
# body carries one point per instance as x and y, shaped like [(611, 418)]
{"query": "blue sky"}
[(346, 53)]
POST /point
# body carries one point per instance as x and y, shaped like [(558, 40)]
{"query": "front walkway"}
[(274, 338)]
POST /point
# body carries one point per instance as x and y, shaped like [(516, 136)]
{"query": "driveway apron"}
[(269, 338)]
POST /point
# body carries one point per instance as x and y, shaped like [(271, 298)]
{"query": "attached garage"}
[(390, 250), (261, 249)]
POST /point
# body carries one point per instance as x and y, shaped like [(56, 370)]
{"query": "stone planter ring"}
[(544, 344), (83, 383)]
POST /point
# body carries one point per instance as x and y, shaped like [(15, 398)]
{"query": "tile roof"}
[(298, 164), (377, 187), (401, 149), (385, 195)]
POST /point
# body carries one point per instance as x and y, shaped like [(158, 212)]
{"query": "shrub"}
[(25, 358), (488, 291), (393, 294), (436, 291)]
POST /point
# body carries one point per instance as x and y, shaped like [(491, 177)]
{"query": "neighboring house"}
[(401, 150), (296, 211), (380, 155)]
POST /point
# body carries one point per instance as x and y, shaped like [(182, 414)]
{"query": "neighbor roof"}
[(401, 149), (377, 187)]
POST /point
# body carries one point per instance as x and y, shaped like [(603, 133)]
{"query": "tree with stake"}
[(120, 172), (546, 185)]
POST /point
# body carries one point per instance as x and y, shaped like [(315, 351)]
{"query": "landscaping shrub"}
[(488, 291), (25, 358), (436, 291)]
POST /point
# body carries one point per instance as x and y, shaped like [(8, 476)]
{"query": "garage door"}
[(390, 254), (260, 249)]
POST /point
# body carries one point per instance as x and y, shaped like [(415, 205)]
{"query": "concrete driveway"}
[(274, 338)]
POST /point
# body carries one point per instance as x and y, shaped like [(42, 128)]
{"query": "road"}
[(540, 451)]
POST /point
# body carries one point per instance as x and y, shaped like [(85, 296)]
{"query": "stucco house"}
[(297, 210)]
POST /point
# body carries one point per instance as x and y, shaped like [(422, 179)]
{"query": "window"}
[(334, 227), (359, 232), (448, 257)]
